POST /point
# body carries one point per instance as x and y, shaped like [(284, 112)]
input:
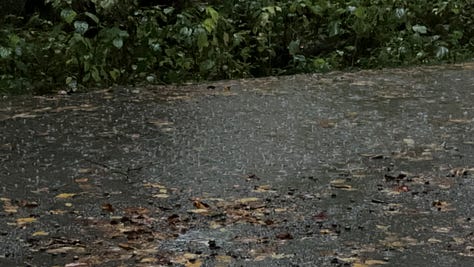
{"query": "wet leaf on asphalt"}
[(23, 221), (40, 233), (442, 206), (284, 236), (67, 249), (107, 207), (77, 264), (263, 189), (199, 204), (8, 207), (65, 195), (81, 180)]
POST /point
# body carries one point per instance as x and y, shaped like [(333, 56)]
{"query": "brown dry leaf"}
[(23, 221), (65, 195), (327, 123), (65, 250), (85, 170), (77, 264), (340, 184), (126, 246), (57, 212), (137, 210), (247, 200), (458, 172), (148, 260), (40, 233), (193, 263), (326, 231), (263, 189), (8, 207), (160, 196), (107, 207), (460, 120), (160, 122), (199, 211), (375, 262), (24, 116), (154, 185), (442, 206), (81, 180), (223, 261), (284, 236), (200, 205)]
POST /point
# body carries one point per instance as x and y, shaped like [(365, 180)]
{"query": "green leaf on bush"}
[(442, 51), (202, 40), (360, 13), (68, 15), (207, 65), (294, 47), (419, 29), (5, 52), (114, 74), (92, 16), (95, 74), (118, 42), (334, 28), (81, 26)]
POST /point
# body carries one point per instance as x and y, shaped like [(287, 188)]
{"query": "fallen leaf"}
[(375, 262), (107, 207), (154, 185), (8, 207), (40, 233), (263, 189), (126, 246), (247, 200), (327, 123), (199, 211), (81, 180), (23, 221), (200, 205), (160, 122), (65, 195), (77, 264), (160, 196), (193, 263), (284, 236), (460, 120), (65, 250)]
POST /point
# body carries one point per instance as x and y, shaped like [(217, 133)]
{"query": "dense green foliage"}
[(124, 42)]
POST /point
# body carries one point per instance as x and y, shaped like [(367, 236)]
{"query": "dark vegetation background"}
[(51, 45)]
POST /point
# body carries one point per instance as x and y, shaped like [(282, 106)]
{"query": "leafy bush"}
[(90, 43)]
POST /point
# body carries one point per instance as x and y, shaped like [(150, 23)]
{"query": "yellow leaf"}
[(65, 195), (154, 185), (22, 221), (40, 233), (194, 263)]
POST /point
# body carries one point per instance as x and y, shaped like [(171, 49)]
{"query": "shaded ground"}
[(345, 169)]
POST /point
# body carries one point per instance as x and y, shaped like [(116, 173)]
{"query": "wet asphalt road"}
[(343, 169)]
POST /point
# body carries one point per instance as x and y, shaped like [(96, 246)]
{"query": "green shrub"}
[(92, 43)]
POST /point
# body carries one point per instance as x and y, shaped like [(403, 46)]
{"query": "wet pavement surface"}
[(365, 168)]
